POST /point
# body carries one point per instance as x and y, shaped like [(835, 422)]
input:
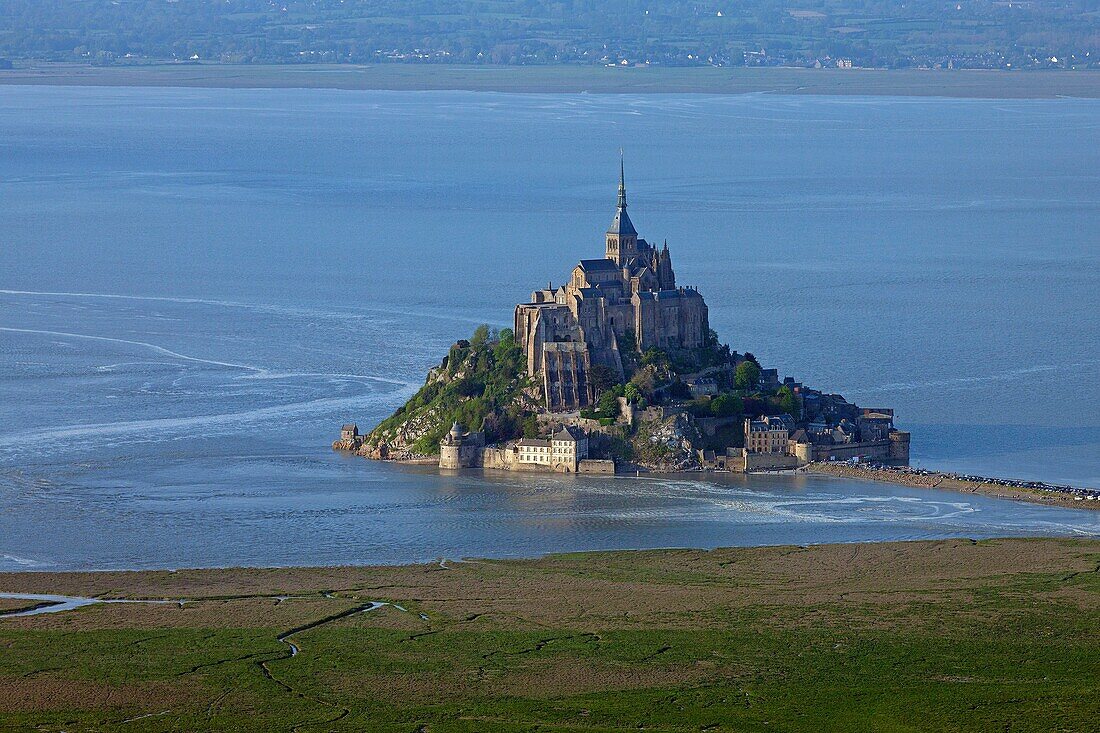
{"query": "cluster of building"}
[(780, 441), (565, 451), (628, 298)]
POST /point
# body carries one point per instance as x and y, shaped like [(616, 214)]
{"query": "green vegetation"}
[(726, 405), (747, 375), (899, 637), (787, 402), (478, 385), (970, 34)]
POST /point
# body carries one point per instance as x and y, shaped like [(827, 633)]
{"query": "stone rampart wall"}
[(876, 451), (592, 465), (769, 461)]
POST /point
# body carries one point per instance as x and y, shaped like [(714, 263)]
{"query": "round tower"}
[(450, 448)]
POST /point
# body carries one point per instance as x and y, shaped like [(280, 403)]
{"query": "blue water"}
[(199, 286)]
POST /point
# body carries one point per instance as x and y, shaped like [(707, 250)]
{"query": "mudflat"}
[(945, 635), (576, 79)]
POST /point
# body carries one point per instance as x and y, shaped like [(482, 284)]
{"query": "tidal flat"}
[(946, 635), (974, 84)]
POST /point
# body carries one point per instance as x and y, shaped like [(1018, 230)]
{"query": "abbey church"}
[(626, 300)]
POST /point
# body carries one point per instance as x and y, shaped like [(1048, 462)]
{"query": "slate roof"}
[(621, 224), (569, 433), (800, 436), (602, 264)]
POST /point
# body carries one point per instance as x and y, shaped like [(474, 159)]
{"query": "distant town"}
[(966, 34)]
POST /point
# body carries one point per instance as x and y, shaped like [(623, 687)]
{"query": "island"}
[(617, 369)]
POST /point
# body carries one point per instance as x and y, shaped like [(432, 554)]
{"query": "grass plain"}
[(574, 79), (921, 636)]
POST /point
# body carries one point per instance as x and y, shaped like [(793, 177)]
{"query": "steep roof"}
[(569, 433), (621, 224), (800, 436)]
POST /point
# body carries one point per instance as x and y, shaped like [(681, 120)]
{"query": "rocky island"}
[(618, 369)]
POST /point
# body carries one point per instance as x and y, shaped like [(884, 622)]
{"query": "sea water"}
[(200, 286)]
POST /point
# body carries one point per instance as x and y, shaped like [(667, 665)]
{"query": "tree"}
[(631, 393), (747, 375), (788, 402), (678, 391), (481, 335), (602, 378), (726, 405)]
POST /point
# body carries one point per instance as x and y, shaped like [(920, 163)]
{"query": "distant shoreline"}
[(973, 84)]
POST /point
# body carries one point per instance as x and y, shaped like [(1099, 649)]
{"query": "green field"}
[(577, 79), (930, 636)]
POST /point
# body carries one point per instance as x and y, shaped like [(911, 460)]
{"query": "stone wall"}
[(499, 458), (769, 461), (875, 451), (449, 457), (592, 465), (899, 446)]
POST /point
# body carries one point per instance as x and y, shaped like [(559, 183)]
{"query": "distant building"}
[(349, 432), (563, 452), (566, 451), (460, 448), (533, 450), (627, 299), (568, 447), (843, 63), (767, 435), (702, 386), (769, 379)]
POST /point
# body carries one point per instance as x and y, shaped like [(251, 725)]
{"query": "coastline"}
[(975, 84), (1067, 497), (1061, 496)]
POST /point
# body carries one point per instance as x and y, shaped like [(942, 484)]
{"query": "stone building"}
[(563, 452), (568, 447), (627, 299), (566, 451), (460, 448), (768, 434)]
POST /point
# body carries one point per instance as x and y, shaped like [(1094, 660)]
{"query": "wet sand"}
[(576, 79)]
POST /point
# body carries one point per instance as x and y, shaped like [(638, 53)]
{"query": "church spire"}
[(621, 224), (622, 181)]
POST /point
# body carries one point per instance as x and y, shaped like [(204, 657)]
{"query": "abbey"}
[(626, 300)]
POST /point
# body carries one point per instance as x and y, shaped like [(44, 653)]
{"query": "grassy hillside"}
[(479, 384), (927, 636)]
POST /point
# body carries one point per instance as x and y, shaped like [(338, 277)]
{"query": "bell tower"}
[(622, 237)]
